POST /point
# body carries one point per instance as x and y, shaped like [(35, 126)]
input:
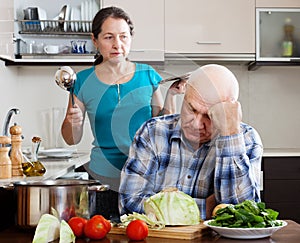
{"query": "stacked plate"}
[(57, 152), (75, 17), (43, 17), (88, 10)]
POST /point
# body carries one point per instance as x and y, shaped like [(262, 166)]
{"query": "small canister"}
[(5, 162)]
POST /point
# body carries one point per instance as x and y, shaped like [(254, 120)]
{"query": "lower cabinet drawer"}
[(8, 205), (278, 168), (282, 191), (281, 186), (286, 210)]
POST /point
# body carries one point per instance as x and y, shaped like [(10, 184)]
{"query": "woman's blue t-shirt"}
[(115, 113)]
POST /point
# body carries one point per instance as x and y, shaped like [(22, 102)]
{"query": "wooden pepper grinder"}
[(16, 155), (5, 162)]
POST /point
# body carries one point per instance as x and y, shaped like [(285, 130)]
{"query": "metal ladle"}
[(65, 78)]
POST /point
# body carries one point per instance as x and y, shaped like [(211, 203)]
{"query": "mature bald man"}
[(207, 151)]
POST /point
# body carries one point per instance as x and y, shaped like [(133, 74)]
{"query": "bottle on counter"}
[(5, 162), (16, 155), (288, 44), (34, 167)]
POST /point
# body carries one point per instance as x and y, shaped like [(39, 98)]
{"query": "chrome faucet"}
[(7, 120)]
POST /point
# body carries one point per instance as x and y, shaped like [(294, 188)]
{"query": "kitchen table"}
[(288, 234)]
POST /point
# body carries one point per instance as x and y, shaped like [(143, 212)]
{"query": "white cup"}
[(51, 49)]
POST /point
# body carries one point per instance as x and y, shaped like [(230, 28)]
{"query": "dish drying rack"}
[(55, 27)]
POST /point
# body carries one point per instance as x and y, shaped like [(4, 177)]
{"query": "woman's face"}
[(114, 41)]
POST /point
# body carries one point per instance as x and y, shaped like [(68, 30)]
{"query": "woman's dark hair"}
[(99, 19)]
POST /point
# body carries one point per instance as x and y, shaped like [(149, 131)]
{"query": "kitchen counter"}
[(280, 152), (58, 167), (290, 234), (55, 167)]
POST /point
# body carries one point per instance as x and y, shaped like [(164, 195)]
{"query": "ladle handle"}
[(72, 96)]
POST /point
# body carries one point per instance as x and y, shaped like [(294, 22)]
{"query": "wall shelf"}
[(47, 62), (61, 62), (55, 27)]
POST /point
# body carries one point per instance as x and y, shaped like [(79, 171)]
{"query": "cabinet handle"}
[(208, 43), (137, 50)]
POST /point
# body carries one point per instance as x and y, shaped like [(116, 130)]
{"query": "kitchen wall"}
[(269, 96)]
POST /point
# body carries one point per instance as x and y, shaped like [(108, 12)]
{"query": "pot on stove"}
[(64, 197)]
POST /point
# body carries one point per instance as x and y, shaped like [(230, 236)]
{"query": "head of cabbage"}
[(172, 207)]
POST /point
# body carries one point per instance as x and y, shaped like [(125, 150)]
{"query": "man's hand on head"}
[(226, 117)]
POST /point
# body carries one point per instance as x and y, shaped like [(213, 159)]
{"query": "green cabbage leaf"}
[(172, 207), (47, 230)]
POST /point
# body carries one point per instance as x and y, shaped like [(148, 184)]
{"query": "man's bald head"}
[(214, 83)]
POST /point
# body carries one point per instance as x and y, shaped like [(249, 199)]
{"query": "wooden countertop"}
[(55, 167), (290, 234)]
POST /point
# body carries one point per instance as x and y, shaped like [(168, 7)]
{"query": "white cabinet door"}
[(148, 20), (6, 29), (277, 3), (210, 26)]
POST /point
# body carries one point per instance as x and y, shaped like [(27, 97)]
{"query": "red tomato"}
[(77, 224), (95, 229), (137, 230), (105, 222)]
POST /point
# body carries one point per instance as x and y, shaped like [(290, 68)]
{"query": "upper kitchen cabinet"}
[(6, 29), (148, 20), (217, 30), (278, 31), (277, 36), (277, 3)]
